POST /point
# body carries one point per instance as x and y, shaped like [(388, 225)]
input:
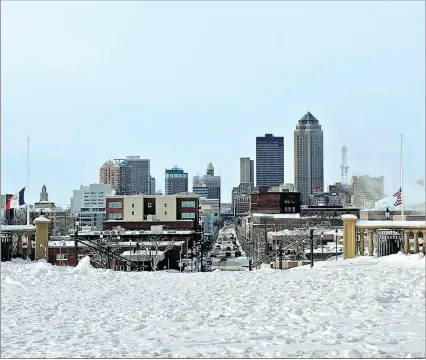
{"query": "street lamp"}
[(322, 246), (337, 232), (387, 213)]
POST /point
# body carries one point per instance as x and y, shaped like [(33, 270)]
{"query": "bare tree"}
[(20, 217), (159, 245)]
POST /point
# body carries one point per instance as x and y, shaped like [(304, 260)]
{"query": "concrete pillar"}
[(361, 242), (406, 241), (349, 236), (416, 241), (41, 237), (370, 243)]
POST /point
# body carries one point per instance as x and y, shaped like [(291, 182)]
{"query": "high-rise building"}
[(139, 174), (44, 196), (367, 190), (88, 203), (269, 160), (208, 185), (118, 174), (308, 157), (176, 181), (246, 170), (152, 185)]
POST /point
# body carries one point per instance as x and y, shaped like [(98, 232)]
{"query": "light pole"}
[(322, 246), (337, 231), (77, 223)]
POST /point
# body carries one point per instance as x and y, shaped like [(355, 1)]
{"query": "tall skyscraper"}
[(140, 174), (117, 173), (176, 181), (308, 157), (246, 170), (269, 160)]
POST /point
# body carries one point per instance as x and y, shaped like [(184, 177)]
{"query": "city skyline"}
[(97, 75)]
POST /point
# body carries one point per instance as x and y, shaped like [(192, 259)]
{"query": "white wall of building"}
[(165, 207), (88, 203), (91, 196), (133, 208)]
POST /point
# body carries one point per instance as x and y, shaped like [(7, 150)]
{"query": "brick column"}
[(361, 242), (41, 237), (406, 241), (416, 241), (349, 236), (370, 243)]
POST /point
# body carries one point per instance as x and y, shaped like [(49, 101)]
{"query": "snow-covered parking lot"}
[(363, 307)]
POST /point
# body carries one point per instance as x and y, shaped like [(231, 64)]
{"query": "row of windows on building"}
[(119, 216), (119, 204), (177, 176)]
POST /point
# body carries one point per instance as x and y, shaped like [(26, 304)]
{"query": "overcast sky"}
[(185, 83)]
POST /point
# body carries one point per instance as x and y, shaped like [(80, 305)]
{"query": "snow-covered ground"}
[(364, 307)]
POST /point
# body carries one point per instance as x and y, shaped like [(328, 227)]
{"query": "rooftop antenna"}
[(344, 167)]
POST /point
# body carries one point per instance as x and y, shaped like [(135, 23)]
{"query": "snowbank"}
[(83, 266), (364, 307)]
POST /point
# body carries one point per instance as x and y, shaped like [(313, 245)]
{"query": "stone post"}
[(406, 241), (41, 237), (416, 241), (349, 236), (370, 243), (361, 242)]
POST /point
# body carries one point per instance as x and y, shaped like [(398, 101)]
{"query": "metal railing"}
[(266, 258)]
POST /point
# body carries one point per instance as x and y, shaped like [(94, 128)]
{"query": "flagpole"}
[(402, 184), (28, 181)]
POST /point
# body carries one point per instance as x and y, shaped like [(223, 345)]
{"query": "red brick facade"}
[(146, 225), (266, 203)]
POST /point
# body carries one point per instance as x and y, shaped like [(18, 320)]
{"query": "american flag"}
[(398, 196)]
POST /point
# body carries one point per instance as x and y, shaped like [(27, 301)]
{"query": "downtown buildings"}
[(175, 181), (88, 205), (246, 170), (128, 176), (308, 157), (208, 185), (367, 190), (269, 160)]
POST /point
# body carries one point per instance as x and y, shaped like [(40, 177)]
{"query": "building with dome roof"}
[(208, 185)]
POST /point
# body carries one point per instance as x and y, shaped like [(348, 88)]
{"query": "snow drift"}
[(364, 307)]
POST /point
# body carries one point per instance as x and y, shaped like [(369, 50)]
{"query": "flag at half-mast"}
[(16, 201), (398, 196)]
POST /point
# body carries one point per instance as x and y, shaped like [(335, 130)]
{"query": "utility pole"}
[(75, 250), (311, 237), (281, 255)]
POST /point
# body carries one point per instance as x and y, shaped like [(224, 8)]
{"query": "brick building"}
[(152, 207)]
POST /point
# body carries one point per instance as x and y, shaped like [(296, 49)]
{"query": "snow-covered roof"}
[(47, 210), (134, 232), (70, 243), (143, 255), (390, 224), (277, 216), (18, 228)]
